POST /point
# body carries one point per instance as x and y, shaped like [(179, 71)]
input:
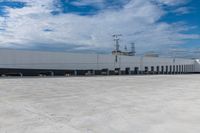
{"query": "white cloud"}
[(183, 10), (173, 2), (137, 21), (87, 2)]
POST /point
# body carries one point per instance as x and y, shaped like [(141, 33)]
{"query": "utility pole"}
[(116, 39), (133, 49), (116, 51)]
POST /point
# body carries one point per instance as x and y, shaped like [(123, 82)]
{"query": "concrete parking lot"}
[(113, 104)]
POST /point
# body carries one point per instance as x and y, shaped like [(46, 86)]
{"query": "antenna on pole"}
[(133, 52), (125, 48), (116, 39), (116, 50)]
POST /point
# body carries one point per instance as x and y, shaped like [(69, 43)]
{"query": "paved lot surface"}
[(125, 104)]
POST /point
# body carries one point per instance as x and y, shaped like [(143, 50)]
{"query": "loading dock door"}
[(146, 70), (127, 70), (136, 70), (158, 69), (162, 69)]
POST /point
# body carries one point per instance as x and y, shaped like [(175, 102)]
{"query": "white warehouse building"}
[(29, 63)]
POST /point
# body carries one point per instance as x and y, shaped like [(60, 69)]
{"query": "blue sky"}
[(88, 25)]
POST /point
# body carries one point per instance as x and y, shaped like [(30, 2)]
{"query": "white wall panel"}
[(60, 60)]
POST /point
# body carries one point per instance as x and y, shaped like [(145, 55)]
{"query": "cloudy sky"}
[(88, 25)]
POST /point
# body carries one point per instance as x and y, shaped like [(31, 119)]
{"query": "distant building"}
[(151, 54), (34, 63)]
